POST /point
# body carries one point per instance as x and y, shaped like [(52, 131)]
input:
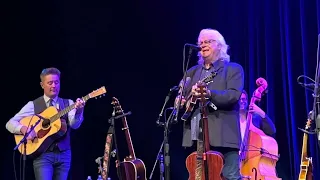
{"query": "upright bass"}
[(204, 164), (259, 152)]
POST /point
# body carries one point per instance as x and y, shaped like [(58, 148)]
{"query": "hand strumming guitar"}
[(24, 130), (182, 101)]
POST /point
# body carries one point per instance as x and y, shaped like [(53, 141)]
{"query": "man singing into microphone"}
[(224, 93)]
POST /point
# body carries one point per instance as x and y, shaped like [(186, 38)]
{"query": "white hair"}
[(223, 53)]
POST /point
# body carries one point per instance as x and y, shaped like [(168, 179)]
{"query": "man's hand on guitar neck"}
[(31, 136), (196, 91), (79, 104)]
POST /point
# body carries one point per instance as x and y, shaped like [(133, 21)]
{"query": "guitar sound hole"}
[(46, 123)]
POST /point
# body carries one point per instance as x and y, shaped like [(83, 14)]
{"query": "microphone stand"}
[(165, 144), (172, 119), (24, 141), (159, 156), (316, 102)]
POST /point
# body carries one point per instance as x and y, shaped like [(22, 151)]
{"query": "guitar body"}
[(306, 174), (189, 108), (306, 162), (132, 170), (45, 136), (215, 159)]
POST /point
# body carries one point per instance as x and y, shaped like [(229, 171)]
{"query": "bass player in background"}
[(224, 92), (259, 119), (54, 164)]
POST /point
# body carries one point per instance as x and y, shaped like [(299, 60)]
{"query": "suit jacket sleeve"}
[(267, 126), (231, 95)]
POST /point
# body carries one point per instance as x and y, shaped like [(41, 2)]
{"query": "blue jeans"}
[(231, 169), (52, 165)]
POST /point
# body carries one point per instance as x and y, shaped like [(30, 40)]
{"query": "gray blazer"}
[(226, 88)]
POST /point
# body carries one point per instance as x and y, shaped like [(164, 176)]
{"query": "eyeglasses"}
[(206, 42)]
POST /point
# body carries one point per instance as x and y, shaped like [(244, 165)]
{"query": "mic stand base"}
[(166, 147)]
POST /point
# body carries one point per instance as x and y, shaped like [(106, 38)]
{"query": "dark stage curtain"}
[(117, 43), (281, 44)]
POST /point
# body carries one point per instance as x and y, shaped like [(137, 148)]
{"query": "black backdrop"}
[(134, 48)]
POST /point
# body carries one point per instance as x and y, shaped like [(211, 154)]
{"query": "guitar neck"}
[(128, 138), (243, 146), (67, 110), (304, 152)]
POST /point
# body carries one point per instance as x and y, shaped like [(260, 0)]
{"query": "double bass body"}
[(261, 157), (259, 152)]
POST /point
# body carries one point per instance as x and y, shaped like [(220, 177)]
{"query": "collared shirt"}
[(13, 125)]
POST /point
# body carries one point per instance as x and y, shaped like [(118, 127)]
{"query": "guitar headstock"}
[(308, 124), (98, 92), (262, 88), (117, 107), (209, 79)]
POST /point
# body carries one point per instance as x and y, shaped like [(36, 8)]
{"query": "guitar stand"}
[(112, 128)]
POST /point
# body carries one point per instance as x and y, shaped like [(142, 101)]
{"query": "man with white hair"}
[(224, 93)]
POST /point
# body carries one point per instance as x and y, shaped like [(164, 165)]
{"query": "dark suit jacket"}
[(265, 124), (226, 88)]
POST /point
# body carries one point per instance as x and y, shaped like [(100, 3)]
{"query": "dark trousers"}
[(231, 168), (52, 165)]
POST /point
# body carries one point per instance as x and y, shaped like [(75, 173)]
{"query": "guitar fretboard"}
[(67, 110), (200, 151)]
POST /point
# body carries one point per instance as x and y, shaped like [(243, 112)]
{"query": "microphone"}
[(195, 47), (309, 85), (174, 88)]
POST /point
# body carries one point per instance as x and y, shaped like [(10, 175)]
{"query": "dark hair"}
[(245, 92), (48, 71)]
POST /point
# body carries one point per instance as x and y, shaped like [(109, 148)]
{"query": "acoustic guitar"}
[(204, 164), (48, 127), (306, 162), (131, 168)]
